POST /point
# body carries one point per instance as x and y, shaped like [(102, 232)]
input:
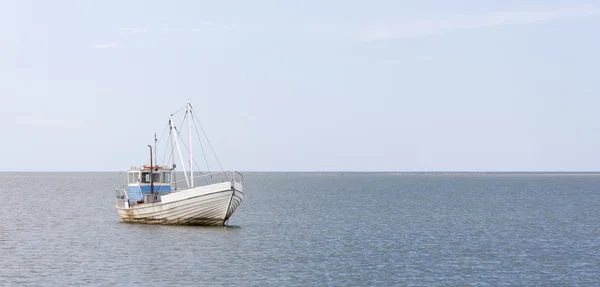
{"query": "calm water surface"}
[(61, 229)]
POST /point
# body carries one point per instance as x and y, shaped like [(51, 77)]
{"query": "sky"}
[(430, 85)]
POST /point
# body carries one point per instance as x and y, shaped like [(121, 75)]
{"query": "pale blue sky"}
[(304, 85)]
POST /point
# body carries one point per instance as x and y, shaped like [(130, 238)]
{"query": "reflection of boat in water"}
[(153, 196)]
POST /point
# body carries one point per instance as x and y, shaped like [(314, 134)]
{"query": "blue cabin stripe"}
[(133, 191), (157, 188)]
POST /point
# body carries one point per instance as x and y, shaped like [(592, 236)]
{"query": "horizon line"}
[(337, 171)]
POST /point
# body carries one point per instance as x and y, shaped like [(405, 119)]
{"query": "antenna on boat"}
[(151, 169), (155, 140)]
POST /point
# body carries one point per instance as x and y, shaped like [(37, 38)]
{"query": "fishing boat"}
[(154, 196)]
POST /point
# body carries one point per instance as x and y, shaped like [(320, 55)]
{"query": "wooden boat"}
[(153, 196)]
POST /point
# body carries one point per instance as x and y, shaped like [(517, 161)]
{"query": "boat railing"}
[(122, 193), (210, 178), (122, 197), (136, 168)]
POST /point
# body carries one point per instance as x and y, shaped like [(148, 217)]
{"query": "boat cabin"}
[(146, 180)]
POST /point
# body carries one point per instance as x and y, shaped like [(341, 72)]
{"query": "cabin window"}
[(166, 177), (131, 177), (145, 177), (156, 177)]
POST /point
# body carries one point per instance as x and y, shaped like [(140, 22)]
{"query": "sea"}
[(312, 229)]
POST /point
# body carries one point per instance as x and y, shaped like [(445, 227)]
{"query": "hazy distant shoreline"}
[(386, 173), (438, 173)]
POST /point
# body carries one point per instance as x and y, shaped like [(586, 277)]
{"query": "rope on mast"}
[(201, 146), (207, 140), (187, 149)]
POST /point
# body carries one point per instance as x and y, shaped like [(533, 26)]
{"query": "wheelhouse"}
[(147, 180)]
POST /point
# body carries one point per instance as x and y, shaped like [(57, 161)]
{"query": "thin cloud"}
[(133, 30), (209, 23), (107, 46), (423, 28)]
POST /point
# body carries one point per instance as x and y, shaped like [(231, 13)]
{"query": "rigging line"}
[(209, 144), (165, 154), (159, 142), (191, 113), (171, 147), (169, 144), (187, 149), (170, 157), (200, 170), (175, 127), (162, 135), (200, 141), (179, 134), (181, 125), (183, 121), (178, 110)]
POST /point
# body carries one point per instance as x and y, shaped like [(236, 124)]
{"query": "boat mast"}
[(178, 150), (189, 116)]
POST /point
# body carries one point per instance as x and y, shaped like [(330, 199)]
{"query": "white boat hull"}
[(209, 205)]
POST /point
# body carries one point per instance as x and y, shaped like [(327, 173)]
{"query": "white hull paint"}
[(204, 205)]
